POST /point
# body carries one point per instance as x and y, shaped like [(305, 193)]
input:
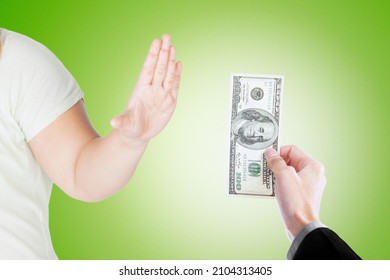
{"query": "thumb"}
[(117, 122), (122, 122), (275, 162), (129, 124)]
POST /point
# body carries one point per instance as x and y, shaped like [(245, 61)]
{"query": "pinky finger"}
[(170, 75), (176, 84)]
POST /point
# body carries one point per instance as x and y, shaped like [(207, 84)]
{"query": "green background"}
[(335, 59)]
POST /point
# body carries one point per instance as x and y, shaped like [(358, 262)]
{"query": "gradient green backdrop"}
[(335, 59)]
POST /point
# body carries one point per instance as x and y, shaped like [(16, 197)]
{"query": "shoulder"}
[(19, 50), (34, 66), (37, 84)]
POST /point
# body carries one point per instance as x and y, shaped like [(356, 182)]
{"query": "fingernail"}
[(156, 43), (271, 153), (166, 39)]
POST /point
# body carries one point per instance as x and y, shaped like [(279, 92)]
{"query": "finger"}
[(295, 157), (176, 82), (150, 63), (170, 76), (127, 119), (128, 123), (274, 161), (161, 67), (116, 122)]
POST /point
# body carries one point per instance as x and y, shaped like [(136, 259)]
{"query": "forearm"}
[(105, 165)]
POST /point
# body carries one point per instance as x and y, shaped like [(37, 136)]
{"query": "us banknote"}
[(254, 127)]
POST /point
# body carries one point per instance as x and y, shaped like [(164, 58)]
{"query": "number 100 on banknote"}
[(254, 127)]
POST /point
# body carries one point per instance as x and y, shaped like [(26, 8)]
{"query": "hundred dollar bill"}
[(254, 127)]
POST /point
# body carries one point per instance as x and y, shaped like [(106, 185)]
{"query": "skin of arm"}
[(299, 185), (91, 168)]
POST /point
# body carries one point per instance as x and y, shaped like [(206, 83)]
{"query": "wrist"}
[(298, 222), (126, 141)]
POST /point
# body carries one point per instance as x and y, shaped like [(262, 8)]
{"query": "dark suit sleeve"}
[(324, 244)]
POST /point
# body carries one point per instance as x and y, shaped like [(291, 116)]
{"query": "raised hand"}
[(153, 100)]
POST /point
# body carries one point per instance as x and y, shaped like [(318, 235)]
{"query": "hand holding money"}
[(254, 127), (300, 182)]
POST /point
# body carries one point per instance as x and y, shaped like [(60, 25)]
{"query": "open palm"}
[(154, 97)]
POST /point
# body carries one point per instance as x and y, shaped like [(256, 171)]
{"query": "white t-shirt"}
[(35, 89)]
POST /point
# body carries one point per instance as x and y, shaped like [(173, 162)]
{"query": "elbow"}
[(90, 195), (89, 198)]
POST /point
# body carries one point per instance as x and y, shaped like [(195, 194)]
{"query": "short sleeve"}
[(42, 88)]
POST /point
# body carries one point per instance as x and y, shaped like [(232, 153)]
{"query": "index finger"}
[(295, 157), (150, 63), (162, 62)]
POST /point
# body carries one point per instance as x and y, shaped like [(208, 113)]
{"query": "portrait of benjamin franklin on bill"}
[(255, 129)]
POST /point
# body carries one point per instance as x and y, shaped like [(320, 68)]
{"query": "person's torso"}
[(24, 187)]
